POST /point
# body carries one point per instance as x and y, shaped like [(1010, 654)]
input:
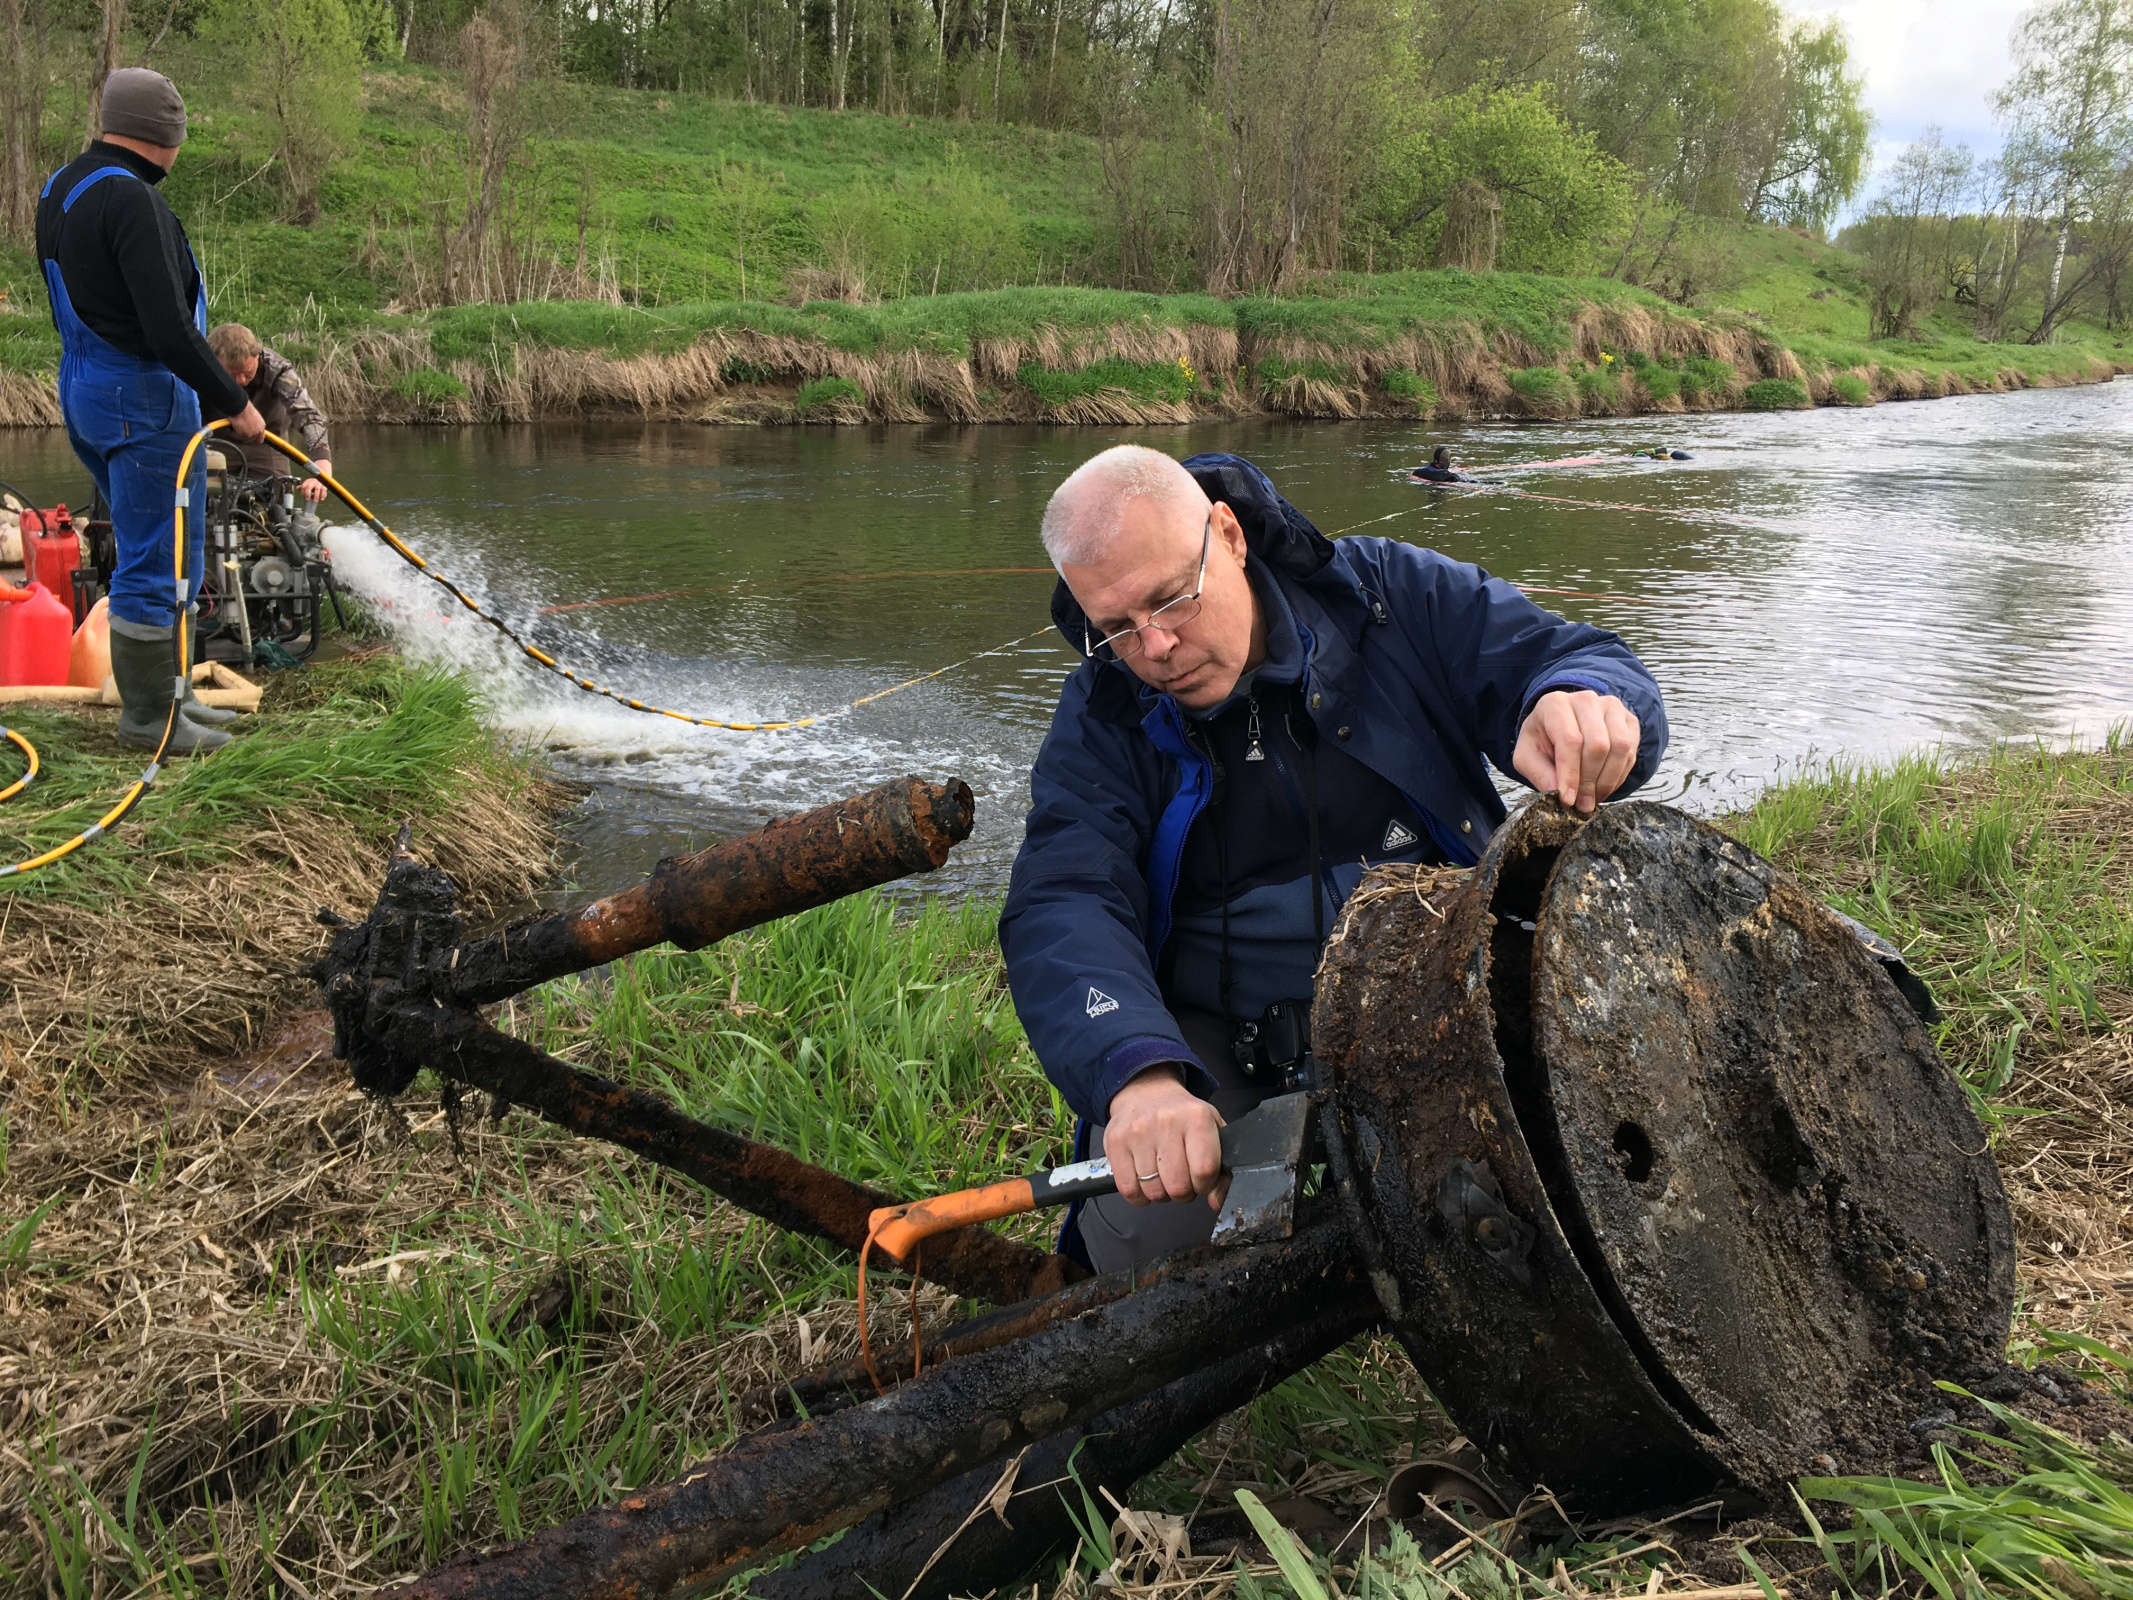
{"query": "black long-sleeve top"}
[(129, 270)]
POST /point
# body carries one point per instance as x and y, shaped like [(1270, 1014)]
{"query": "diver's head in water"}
[(1441, 457)]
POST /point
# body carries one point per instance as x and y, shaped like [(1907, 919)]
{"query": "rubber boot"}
[(146, 683), (192, 705)]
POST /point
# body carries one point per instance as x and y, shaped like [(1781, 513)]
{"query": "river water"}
[(1939, 572)]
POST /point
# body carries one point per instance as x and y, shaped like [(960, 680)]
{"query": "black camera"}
[(1275, 1048)]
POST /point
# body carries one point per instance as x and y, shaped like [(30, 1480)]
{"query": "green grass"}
[(1275, 369), (2006, 880), (362, 742), (945, 324), (821, 394), (1599, 388), (1353, 310), (1543, 387), (1413, 387), (2022, 1511), (1171, 381), (429, 385), (1775, 394), (1797, 283), (1851, 389), (1701, 377)]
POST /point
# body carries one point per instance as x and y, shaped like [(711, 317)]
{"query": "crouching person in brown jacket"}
[(273, 386)]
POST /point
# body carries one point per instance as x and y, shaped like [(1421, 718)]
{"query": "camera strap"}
[(1305, 742), (1318, 860)]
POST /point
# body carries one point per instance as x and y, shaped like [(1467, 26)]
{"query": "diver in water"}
[(1439, 469)]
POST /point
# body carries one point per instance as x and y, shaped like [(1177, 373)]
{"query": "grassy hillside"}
[(662, 186), (666, 205)]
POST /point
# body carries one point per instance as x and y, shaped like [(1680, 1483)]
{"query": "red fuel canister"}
[(36, 638), (51, 550)]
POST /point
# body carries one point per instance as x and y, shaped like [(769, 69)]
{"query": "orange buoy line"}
[(794, 583)]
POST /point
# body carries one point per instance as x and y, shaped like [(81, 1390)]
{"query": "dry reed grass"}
[(180, 1357), (2069, 1171), (197, 959)]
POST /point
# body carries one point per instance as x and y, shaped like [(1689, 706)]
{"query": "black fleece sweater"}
[(129, 271)]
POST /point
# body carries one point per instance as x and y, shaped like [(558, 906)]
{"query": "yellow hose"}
[(127, 801), (117, 814), (27, 749)]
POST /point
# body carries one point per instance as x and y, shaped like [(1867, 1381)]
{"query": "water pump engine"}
[(267, 574)]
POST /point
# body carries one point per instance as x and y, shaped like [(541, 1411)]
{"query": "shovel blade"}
[(1261, 1205), (1264, 1151)]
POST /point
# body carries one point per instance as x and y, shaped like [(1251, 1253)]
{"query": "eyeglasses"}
[(1170, 616)]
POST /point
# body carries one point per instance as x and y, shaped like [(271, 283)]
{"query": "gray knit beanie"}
[(144, 105)]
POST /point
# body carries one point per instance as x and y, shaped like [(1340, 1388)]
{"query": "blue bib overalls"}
[(129, 420)]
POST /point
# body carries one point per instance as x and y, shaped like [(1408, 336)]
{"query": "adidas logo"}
[(1099, 1003), (1398, 836)]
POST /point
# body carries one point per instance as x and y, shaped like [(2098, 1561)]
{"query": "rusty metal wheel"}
[(1676, 1190)]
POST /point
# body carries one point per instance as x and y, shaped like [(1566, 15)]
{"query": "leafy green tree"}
[(1552, 189), (1297, 95), (298, 83), (1811, 158), (1913, 235), (1495, 44), (2069, 115)]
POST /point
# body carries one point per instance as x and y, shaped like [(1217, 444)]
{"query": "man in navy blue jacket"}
[(1261, 715)]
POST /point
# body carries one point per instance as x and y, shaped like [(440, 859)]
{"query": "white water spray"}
[(729, 779)]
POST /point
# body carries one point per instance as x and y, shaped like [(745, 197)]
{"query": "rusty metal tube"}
[(784, 1490), (792, 864), (818, 1393), (757, 1177), (931, 1548)]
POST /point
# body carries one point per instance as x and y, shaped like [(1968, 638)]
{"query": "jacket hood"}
[(1274, 531)]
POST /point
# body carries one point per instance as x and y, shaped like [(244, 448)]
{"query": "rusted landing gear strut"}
[(405, 990), (1646, 1158)]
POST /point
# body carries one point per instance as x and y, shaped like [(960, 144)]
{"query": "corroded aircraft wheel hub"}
[(1676, 1191)]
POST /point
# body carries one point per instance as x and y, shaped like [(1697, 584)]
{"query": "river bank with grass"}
[(262, 1337), (1424, 345), (689, 256), (177, 938)]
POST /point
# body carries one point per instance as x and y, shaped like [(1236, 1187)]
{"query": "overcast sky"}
[(1926, 62)]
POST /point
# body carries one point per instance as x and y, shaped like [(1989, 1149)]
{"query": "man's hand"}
[(311, 489), (1577, 745), (1164, 1142), (248, 424)]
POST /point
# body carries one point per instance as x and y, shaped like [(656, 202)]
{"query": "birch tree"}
[(2069, 115)]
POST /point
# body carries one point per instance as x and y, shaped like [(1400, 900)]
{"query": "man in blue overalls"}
[(135, 373)]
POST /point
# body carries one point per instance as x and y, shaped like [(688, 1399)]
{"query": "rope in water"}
[(1522, 588), (796, 583)]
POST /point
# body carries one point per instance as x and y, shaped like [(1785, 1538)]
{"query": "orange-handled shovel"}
[(1263, 1151)]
